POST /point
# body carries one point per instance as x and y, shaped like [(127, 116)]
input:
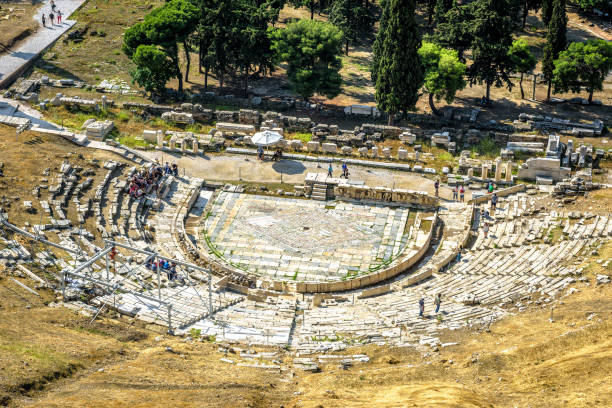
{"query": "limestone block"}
[(172, 143), (178, 117), (347, 150), (279, 130), (484, 172), (402, 154), (296, 145), (235, 127), (509, 171), (313, 146), (363, 151), (99, 129), (470, 172), (498, 170), (149, 135), (408, 138), (329, 147), (160, 139), (374, 151), (386, 152)]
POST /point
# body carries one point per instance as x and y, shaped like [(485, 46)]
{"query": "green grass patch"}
[(132, 141), (487, 148), (303, 136)]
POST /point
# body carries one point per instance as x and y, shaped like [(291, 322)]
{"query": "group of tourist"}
[(53, 15), (163, 265), (459, 193), (437, 303), (145, 178), (345, 171), (278, 154)]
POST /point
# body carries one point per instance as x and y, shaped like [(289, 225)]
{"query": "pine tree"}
[(492, 37), (555, 41), (399, 75)]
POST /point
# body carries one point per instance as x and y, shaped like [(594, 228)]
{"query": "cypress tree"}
[(378, 42), (555, 41), (547, 10), (399, 72)]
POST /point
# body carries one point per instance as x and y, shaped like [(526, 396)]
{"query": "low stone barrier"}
[(500, 193)]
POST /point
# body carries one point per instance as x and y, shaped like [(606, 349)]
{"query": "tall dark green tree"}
[(441, 8), (492, 36), (555, 41), (399, 72), (353, 18), (456, 31), (547, 10), (379, 41)]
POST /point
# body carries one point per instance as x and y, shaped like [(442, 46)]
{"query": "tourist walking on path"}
[(59, 17), (459, 253), (329, 170), (437, 186), (345, 170), (485, 229), (494, 201), (421, 307), (51, 17), (437, 301), (490, 188), (52, 5), (462, 193), (44, 20), (455, 193)]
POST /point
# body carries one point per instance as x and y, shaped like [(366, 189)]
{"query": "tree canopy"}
[(153, 68), (583, 64), (311, 49), (164, 27), (443, 73), (491, 29)]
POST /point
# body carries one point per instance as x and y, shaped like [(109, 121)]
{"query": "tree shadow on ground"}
[(289, 167), (51, 68)]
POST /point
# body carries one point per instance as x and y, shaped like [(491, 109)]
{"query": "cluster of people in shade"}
[(144, 180)]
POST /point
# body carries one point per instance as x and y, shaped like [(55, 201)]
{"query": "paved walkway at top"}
[(15, 59)]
